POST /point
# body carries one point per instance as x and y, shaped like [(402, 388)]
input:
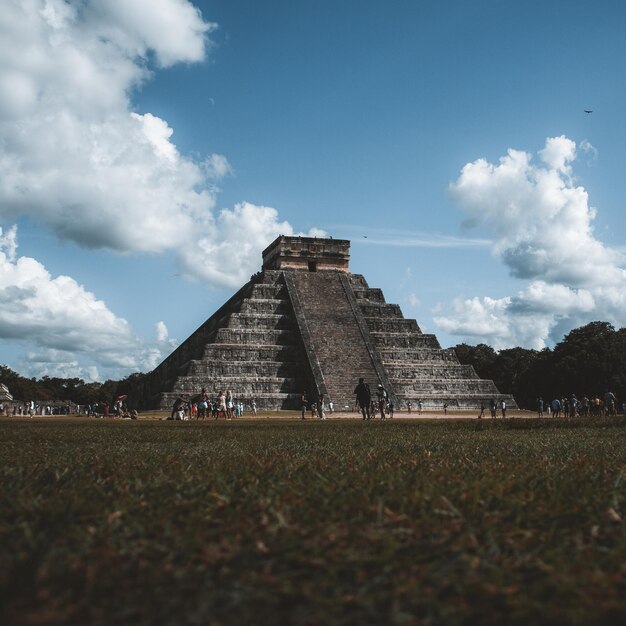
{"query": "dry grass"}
[(336, 522)]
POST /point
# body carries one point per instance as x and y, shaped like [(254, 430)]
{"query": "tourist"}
[(539, 406), (331, 407), (390, 408), (222, 405), (230, 404), (585, 406), (555, 405), (304, 403), (363, 398), (203, 405), (419, 407), (503, 407), (254, 408), (320, 407), (445, 408), (381, 396), (596, 406), (492, 408), (610, 401), (482, 410), (408, 406)]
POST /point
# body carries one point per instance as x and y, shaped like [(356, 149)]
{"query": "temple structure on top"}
[(306, 323)]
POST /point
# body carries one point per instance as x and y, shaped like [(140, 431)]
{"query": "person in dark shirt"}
[(363, 398)]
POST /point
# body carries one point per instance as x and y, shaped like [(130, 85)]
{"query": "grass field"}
[(336, 522)]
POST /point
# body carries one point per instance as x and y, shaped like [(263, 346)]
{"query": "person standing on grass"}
[(539, 406), (503, 406), (381, 396), (304, 403), (408, 406), (363, 398), (482, 410), (320, 407), (609, 403), (230, 404), (419, 407), (222, 405), (555, 405), (492, 408)]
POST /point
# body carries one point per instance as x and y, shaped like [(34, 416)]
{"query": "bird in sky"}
[(588, 111)]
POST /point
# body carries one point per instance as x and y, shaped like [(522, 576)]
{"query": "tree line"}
[(74, 390), (589, 361)]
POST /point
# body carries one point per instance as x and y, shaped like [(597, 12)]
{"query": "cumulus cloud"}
[(543, 232), (79, 160), (230, 253), (69, 331)]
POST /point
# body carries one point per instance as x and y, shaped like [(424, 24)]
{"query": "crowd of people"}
[(32, 408), (370, 405), (224, 406), (585, 407)]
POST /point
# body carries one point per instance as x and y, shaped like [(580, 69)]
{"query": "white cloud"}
[(161, 331), (68, 328), (413, 301), (230, 253), (75, 156), (217, 167), (543, 232), (587, 147), (60, 364)]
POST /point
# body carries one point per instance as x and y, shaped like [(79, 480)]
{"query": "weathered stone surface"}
[(304, 323)]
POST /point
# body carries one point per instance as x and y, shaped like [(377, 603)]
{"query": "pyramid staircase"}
[(250, 346), (418, 368)]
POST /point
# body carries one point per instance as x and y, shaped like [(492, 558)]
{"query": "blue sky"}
[(151, 150)]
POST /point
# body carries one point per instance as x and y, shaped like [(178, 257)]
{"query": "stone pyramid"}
[(306, 323)]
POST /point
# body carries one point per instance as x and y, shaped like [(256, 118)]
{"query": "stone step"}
[(250, 368), (247, 385), (392, 325), (402, 372), (262, 321), (385, 340), (395, 356), (370, 295), (458, 385), (252, 352), (268, 291), (257, 337), (265, 305), (380, 310)]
